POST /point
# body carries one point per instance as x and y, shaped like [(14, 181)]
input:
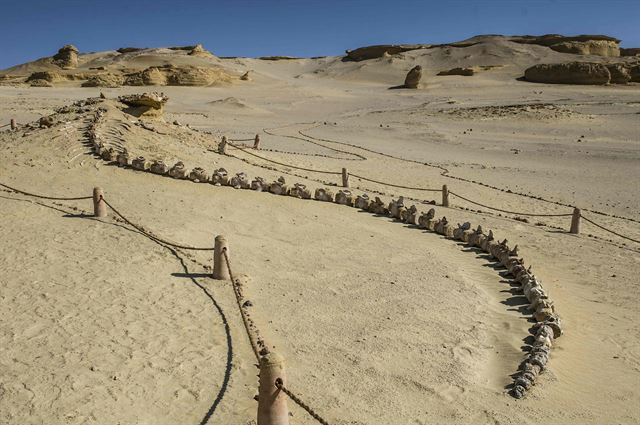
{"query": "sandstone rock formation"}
[(147, 104), (591, 47), (129, 49), (569, 73), (199, 50), (246, 76), (467, 72), (634, 73), (151, 76), (633, 51), (619, 73), (413, 77), (377, 51), (601, 45), (49, 76), (104, 80), (67, 57)]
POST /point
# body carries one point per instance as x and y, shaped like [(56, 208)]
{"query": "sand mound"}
[(228, 101)]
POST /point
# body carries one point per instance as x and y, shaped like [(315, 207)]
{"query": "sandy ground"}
[(380, 323)]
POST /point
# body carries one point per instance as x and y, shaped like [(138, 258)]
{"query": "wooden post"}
[(575, 222), (99, 207), (13, 124), (222, 147), (345, 178), (272, 402), (220, 269), (445, 196), (256, 142)]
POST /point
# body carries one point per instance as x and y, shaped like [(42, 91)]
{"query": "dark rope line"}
[(358, 157), (284, 165), (151, 236), (509, 212), (609, 230), (280, 385), (395, 185), (45, 197)]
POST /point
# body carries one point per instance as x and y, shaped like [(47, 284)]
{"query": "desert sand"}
[(379, 322)]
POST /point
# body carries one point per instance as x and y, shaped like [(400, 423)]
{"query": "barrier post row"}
[(272, 401), (575, 222), (99, 206), (220, 270), (345, 178), (445, 196)]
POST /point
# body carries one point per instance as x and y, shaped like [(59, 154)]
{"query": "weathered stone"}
[(412, 80), (199, 175), (159, 167), (466, 72), (67, 57), (619, 73), (589, 47), (140, 163), (569, 73)]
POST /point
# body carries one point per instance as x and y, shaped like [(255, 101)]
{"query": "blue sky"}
[(33, 29)]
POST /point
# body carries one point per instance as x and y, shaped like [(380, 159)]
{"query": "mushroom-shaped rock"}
[(246, 76), (413, 77), (145, 104), (198, 175), (299, 190), (159, 167), (178, 171), (67, 57), (220, 177)]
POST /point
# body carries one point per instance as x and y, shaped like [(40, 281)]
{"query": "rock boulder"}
[(67, 57), (413, 77), (569, 73)]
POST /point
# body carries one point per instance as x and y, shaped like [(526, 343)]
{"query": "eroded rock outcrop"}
[(569, 73), (467, 72), (619, 73), (147, 104), (378, 51), (606, 48), (104, 80), (412, 80), (67, 57), (632, 51), (199, 50)]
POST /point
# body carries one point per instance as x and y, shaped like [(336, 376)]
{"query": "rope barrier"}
[(2, 126), (508, 212), (299, 402), (284, 165), (13, 189), (445, 173), (245, 319), (150, 235), (358, 157), (609, 230), (394, 185)]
